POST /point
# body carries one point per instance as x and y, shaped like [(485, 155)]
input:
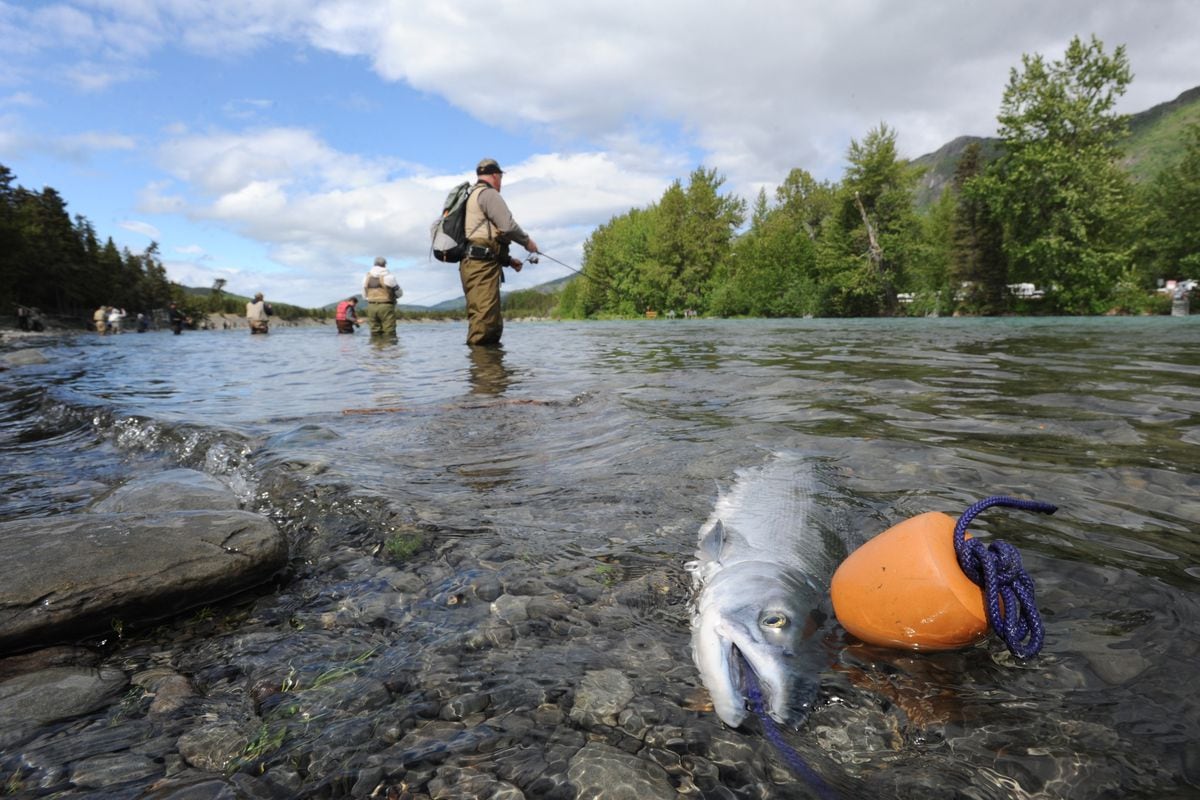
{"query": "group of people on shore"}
[(111, 320), (29, 318)]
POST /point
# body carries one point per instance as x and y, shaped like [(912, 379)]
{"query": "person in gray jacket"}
[(490, 228)]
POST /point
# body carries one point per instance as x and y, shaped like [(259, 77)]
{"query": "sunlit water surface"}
[(599, 449)]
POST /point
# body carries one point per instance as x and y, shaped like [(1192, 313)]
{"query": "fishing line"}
[(789, 754), (533, 257)]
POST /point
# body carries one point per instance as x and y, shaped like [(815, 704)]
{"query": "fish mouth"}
[(743, 674), (778, 692)]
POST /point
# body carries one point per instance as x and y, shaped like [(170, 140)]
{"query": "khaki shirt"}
[(256, 311), (489, 222)]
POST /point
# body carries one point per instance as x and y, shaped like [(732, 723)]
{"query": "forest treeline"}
[(51, 261), (1056, 209)]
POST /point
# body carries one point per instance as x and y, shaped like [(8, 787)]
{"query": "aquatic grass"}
[(267, 739), (14, 784), (403, 546), (607, 574), (129, 704), (291, 682)]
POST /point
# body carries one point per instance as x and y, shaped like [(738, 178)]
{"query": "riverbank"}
[(57, 324)]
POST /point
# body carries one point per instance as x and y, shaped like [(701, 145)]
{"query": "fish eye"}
[(773, 619)]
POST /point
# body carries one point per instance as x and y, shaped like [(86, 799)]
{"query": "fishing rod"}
[(532, 258)]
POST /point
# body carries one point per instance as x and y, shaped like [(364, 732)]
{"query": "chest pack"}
[(448, 235)]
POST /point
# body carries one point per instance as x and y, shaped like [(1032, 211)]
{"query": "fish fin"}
[(713, 543)]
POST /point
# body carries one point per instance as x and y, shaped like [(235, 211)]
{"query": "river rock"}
[(82, 574), (58, 693), (22, 358), (602, 772), (175, 489), (601, 696), (52, 694), (213, 748), (112, 770)]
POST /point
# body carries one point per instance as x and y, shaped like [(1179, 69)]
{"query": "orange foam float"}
[(905, 589)]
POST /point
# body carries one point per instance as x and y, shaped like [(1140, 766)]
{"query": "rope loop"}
[(1008, 590)]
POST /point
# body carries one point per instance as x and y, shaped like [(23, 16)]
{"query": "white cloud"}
[(21, 99), (247, 108), (92, 141), (324, 214), (760, 86), (144, 228), (201, 274), (16, 139)]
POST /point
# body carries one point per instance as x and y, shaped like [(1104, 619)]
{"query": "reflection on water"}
[(580, 459), (489, 375)]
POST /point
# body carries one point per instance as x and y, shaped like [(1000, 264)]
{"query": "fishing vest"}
[(256, 311), (378, 291), (341, 310), (478, 227)]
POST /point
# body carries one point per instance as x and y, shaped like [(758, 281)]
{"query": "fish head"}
[(758, 617)]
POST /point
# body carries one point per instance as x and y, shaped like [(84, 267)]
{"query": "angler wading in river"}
[(490, 229), (382, 291)]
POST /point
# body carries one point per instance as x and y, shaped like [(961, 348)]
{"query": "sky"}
[(282, 144)]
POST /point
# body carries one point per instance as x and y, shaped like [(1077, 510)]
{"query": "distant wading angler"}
[(490, 228), (346, 317), (176, 318), (382, 291), (257, 312)]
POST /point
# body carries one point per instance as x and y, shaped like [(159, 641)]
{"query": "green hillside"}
[(1156, 134), (1155, 141), (938, 166)]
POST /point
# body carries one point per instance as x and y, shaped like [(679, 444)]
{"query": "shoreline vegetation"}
[(226, 323)]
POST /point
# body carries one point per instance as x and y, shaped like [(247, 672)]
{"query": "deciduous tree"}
[(1060, 193)]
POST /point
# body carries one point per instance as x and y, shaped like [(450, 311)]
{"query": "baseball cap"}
[(488, 166)]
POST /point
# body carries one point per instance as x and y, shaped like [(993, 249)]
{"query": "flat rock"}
[(22, 358), (601, 696), (48, 695), (175, 489), (82, 574), (602, 772)]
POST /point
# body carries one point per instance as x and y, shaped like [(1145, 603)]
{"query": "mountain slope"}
[(1154, 142)]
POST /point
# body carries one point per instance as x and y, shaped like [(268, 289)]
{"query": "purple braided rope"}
[(775, 737), (1007, 587)]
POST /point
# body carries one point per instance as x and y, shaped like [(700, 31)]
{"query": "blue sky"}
[(282, 144)]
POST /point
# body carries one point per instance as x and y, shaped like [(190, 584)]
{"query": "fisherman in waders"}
[(345, 317), (490, 228), (382, 291), (258, 312)]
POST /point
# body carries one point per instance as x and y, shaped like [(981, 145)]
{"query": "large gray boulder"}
[(79, 574), (174, 489)]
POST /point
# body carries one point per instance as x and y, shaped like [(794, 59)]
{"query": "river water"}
[(575, 467)]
